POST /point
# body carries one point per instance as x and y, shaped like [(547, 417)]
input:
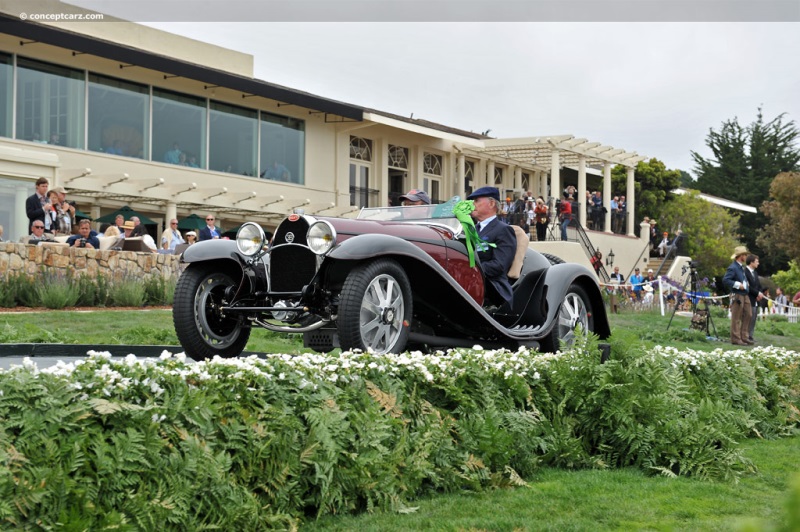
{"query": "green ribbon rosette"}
[(462, 210)]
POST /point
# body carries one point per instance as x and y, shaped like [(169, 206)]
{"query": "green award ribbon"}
[(462, 210)]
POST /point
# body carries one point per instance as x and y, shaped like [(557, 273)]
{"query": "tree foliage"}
[(653, 184), (745, 161), (710, 230), (780, 235)]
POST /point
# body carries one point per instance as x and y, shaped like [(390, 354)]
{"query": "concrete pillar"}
[(582, 189), (630, 198), (490, 174), (461, 172), (172, 211), (518, 180), (607, 195), (555, 175)]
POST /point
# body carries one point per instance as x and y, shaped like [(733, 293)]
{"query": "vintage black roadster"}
[(391, 280)]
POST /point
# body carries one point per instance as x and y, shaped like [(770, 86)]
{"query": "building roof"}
[(730, 204), (335, 111), (538, 151)]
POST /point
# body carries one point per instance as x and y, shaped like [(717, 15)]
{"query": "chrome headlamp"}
[(250, 239), (321, 237)]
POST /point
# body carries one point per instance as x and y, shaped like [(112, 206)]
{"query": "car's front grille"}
[(291, 267)]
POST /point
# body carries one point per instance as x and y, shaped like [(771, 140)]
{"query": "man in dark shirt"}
[(84, 238)]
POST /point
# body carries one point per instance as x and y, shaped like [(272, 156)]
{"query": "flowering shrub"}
[(254, 443)]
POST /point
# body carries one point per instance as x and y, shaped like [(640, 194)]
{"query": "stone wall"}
[(62, 260)]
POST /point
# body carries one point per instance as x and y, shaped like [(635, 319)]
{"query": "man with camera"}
[(84, 238)]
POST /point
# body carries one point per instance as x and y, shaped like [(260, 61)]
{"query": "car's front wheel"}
[(202, 328), (574, 318), (375, 308)]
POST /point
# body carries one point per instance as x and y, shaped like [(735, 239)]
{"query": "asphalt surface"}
[(46, 355)]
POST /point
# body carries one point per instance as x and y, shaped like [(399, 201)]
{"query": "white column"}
[(607, 195), (94, 212), (518, 180), (541, 184), (19, 223), (490, 174), (630, 202), (461, 186), (555, 176), (582, 189), (172, 211)]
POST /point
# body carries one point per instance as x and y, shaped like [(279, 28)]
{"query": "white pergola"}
[(557, 151)]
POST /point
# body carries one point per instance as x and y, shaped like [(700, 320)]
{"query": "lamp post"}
[(610, 258)]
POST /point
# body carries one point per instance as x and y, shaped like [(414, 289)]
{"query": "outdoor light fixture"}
[(305, 202), (156, 184), (249, 196), (194, 186), (331, 206), (610, 258), (224, 191), (280, 198), (124, 177)]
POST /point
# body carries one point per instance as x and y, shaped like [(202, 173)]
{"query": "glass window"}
[(360, 193), (360, 149), (232, 139), (432, 164), (179, 129), (50, 103), (283, 147), (398, 157), (118, 117), (6, 78), (498, 176)]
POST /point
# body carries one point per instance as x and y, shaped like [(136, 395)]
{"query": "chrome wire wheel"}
[(381, 317), (573, 312), (375, 308)]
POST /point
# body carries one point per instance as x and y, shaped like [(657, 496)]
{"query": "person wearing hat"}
[(735, 280), (637, 281), (541, 215), (191, 237), (651, 279), (647, 300), (495, 261), (415, 197), (127, 228)]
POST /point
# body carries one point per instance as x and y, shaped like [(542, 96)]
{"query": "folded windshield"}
[(441, 214)]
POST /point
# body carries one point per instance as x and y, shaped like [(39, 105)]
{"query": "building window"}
[(283, 147), (398, 157), (119, 114), (360, 149), (50, 103), (432, 164), (6, 79), (232, 139), (498, 176), (179, 128), (432, 187), (469, 176)]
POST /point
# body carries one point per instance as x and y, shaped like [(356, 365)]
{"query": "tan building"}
[(123, 114)]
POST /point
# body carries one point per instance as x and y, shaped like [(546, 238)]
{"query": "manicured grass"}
[(118, 327), (614, 499)]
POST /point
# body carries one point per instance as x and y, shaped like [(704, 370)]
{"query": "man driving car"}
[(495, 261)]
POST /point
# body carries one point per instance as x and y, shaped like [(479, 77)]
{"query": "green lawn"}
[(617, 499)]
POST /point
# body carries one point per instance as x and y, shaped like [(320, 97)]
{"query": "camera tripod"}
[(691, 283)]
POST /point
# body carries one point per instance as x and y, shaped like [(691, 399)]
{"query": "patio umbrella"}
[(231, 233), (191, 222), (126, 213), (79, 215)]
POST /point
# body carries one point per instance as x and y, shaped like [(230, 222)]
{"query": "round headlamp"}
[(250, 239), (321, 237)]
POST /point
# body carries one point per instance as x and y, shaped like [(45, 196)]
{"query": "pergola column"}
[(630, 202), (582, 190), (518, 179), (607, 195), (490, 174), (555, 177), (172, 211)]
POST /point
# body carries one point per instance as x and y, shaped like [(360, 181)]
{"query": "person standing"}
[(735, 280), (753, 292), (565, 215), (636, 284), (617, 282), (781, 302), (84, 238), (35, 204), (210, 231), (541, 214)]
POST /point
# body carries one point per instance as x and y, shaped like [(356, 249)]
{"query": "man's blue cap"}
[(488, 192)]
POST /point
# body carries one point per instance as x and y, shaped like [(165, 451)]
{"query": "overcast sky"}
[(652, 88)]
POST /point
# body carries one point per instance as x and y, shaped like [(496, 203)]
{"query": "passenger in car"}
[(495, 260)]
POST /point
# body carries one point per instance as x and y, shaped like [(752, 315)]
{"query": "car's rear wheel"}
[(202, 329), (575, 311), (375, 308)]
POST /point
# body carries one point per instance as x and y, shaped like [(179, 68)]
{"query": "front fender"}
[(213, 249), (564, 275)]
